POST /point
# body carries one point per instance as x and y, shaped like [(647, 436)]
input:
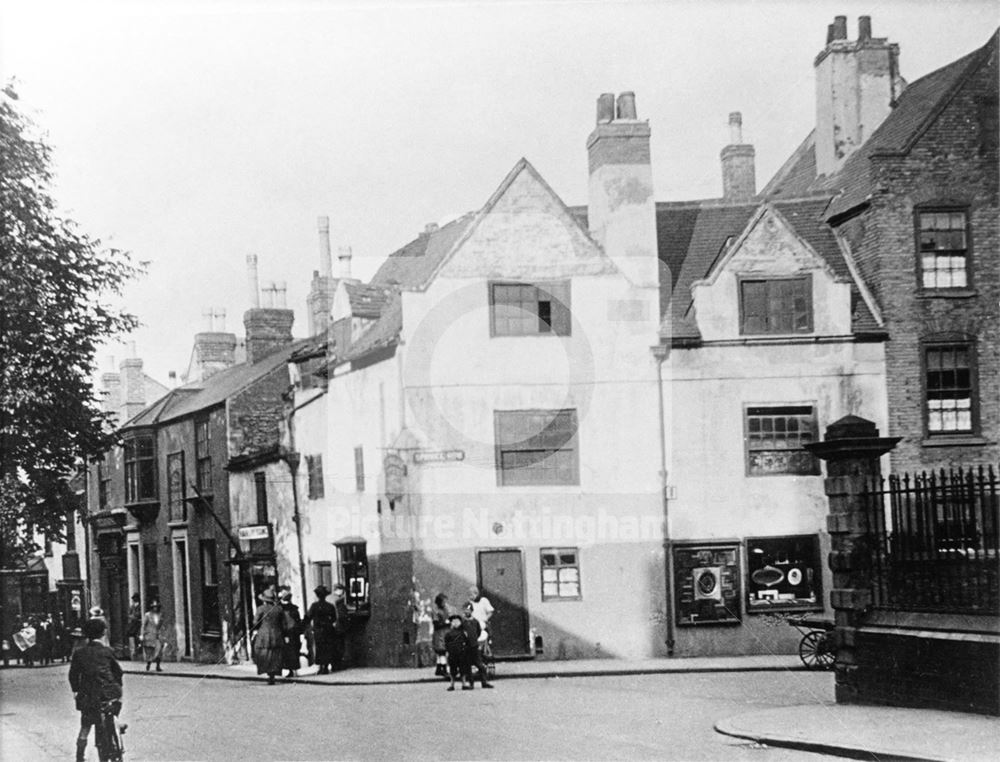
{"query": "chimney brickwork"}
[(857, 84), (739, 175), (621, 209), (268, 329), (133, 388)]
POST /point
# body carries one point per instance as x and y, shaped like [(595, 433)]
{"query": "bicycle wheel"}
[(109, 740), (816, 650)]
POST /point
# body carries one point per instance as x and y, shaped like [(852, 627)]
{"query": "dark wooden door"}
[(501, 579)]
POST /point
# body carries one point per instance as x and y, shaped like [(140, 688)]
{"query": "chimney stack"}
[(133, 385), (857, 84), (268, 328), (621, 210), (214, 349), (739, 176), (319, 302)]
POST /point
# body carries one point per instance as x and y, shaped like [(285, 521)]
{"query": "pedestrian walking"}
[(321, 617), (269, 636), (456, 645), (44, 640), (341, 626), (153, 632), (133, 630), (440, 621), (474, 632), (96, 612), (95, 677), (292, 632)]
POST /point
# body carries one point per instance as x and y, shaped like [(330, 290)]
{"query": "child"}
[(456, 645), (95, 677), (474, 631)]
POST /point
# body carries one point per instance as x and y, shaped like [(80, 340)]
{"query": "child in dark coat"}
[(456, 645)]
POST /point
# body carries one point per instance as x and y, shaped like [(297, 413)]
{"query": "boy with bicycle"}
[(96, 680)]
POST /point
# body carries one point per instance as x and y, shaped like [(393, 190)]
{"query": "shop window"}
[(536, 447), (784, 574), (775, 440), (707, 584), (776, 306), (560, 574), (176, 487), (211, 618), (949, 389), (314, 467), (352, 562), (524, 309), (203, 455), (140, 468), (943, 248)]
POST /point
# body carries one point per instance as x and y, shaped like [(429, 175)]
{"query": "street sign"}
[(438, 456), (255, 532)]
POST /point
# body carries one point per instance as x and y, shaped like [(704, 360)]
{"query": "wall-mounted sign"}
[(784, 574), (438, 456), (394, 468), (255, 532), (707, 583)]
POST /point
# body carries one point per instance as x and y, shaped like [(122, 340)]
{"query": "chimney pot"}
[(281, 292), (252, 281), (864, 28), (840, 27), (325, 260), (605, 108), (735, 128), (626, 105), (344, 257), (431, 227)]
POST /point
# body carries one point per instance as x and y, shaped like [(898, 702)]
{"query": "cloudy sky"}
[(195, 133)]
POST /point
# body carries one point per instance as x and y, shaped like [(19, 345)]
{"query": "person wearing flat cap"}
[(321, 616), (269, 637)]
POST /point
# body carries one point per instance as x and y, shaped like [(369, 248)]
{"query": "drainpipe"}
[(293, 459), (660, 352)]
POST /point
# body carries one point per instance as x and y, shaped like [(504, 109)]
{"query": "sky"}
[(195, 133)]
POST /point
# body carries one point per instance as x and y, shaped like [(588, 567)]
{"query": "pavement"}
[(857, 732)]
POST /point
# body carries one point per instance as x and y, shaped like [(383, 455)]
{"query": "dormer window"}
[(944, 249), (776, 305)]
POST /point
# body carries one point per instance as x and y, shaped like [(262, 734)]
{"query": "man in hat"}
[(321, 616), (293, 631), (95, 678)]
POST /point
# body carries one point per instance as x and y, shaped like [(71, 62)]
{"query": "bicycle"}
[(108, 733)]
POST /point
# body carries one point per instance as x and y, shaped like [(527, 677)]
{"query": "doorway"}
[(501, 579)]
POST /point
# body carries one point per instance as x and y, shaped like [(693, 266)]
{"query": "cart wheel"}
[(816, 650)]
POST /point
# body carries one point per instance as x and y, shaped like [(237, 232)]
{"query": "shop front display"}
[(707, 583), (784, 574)]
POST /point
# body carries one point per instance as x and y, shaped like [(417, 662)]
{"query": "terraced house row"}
[(598, 414)]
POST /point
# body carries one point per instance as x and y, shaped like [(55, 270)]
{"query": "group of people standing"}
[(278, 628), (462, 640), (38, 639)]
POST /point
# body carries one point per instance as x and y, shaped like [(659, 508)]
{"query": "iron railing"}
[(935, 545)]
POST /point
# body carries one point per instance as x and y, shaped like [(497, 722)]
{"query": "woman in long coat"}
[(293, 632), (152, 636), (269, 640), (321, 615)]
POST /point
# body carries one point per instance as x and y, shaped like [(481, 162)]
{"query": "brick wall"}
[(928, 672), (952, 163)]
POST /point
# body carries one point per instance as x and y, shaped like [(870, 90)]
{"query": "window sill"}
[(211, 636), (966, 440), (177, 524), (947, 293)]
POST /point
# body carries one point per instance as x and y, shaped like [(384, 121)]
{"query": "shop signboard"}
[(707, 583)]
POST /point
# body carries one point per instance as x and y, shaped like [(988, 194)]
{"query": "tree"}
[(55, 284)]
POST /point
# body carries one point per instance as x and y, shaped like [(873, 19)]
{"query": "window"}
[(536, 447), (203, 455), (71, 531), (359, 468), (150, 572), (560, 574), (523, 309), (211, 618), (322, 574), (260, 491), (949, 389), (776, 306), (784, 574), (103, 480), (314, 466), (943, 249), (352, 560), (176, 507), (140, 469), (775, 437)]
